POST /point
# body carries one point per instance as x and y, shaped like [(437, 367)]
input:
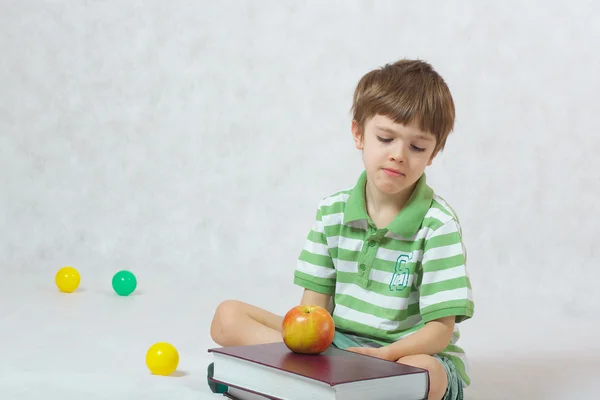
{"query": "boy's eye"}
[(412, 146)]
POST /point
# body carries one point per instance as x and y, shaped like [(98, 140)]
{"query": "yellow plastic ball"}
[(67, 279), (162, 359)]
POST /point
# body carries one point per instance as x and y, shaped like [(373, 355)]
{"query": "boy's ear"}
[(433, 155), (357, 134)]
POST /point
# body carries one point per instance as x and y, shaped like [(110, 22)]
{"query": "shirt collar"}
[(408, 220)]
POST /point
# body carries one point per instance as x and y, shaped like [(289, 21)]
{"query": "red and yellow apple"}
[(307, 329)]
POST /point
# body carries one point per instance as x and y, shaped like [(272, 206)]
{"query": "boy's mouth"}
[(393, 172)]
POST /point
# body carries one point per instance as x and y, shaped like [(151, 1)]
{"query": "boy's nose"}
[(398, 153)]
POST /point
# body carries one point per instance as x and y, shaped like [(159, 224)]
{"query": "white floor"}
[(92, 344)]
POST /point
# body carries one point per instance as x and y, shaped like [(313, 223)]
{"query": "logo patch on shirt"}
[(401, 274)]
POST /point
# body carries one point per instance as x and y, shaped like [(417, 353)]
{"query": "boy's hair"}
[(406, 91)]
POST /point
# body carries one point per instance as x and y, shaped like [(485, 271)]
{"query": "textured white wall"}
[(191, 141)]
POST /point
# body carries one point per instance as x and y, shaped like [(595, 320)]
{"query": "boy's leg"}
[(236, 323), (438, 377), (454, 391)]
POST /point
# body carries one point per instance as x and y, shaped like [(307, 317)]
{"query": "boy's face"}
[(395, 155)]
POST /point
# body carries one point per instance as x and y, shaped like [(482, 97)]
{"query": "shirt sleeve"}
[(445, 286), (315, 269)]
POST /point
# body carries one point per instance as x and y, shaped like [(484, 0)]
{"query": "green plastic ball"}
[(124, 283)]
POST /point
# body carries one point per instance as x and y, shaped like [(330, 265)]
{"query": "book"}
[(274, 372), (235, 393)]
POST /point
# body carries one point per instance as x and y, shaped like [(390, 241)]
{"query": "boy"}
[(385, 257)]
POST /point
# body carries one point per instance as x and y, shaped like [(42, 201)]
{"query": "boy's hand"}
[(380, 352)]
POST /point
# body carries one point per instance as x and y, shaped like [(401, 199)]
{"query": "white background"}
[(190, 142)]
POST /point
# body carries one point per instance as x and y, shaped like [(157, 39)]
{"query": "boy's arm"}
[(318, 299), (315, 271), (431, 339)]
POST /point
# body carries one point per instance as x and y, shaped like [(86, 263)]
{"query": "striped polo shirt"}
[(388, 282)]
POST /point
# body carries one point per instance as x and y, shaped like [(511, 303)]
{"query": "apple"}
[(307, 329)]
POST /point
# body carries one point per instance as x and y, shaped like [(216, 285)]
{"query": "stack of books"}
[(272, 371)]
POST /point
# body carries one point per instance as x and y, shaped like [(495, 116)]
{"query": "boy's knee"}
[(437, 373), (224, 318)]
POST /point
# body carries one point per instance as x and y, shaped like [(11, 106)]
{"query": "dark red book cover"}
[(334, 366)]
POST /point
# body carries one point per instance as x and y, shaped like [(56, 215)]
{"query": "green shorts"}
[(454, 391), (455, 382)]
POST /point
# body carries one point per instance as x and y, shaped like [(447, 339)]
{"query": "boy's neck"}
[(383, 208)]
